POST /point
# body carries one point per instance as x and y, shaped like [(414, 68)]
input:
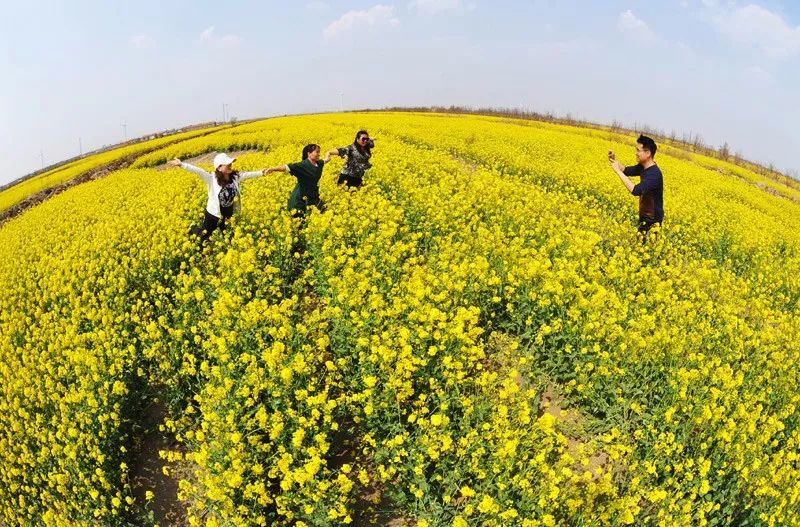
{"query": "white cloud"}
[(376, 16), (208, 38), (756, 26), (142, 41), (433, 7), (635, 28)]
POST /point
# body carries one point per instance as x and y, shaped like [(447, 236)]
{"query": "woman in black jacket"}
[(358, 154)]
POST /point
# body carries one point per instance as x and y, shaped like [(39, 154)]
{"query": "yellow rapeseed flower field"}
[(475, 337)]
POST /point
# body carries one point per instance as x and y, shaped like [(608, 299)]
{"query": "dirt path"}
[(147, 472)]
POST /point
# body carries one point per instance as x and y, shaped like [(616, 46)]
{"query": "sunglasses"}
[(365, 138)]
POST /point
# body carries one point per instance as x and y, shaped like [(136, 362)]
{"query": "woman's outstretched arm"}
[(255, 173), (279, 168), (191, 168)]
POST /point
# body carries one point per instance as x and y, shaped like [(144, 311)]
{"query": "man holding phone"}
[(650, 188)]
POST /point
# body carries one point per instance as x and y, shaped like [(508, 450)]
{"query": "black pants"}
[(351, 181), (300, 212), (210, 224), (645, 224)]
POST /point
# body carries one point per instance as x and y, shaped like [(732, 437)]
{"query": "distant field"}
[(476, 337), (14, 194)]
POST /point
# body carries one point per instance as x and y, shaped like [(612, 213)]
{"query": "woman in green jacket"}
[(308, 173)]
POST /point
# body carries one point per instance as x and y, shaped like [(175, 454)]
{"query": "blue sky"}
[(78, 70)]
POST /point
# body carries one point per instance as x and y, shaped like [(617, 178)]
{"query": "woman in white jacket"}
[(223, 191)]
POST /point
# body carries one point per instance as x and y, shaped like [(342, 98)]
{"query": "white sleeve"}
[(248, 175), (197, 170)]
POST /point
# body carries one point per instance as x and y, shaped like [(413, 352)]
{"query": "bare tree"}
[(725, 151)]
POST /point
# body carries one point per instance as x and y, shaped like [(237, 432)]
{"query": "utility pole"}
[(225, 115), (341, 101), (80, 146), (125, 131), (41, 156)]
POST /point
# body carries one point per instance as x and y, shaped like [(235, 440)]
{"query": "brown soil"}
[(147, 472), (761, 186), (468, 167), (774, 192), (372, 506), (572, 424)]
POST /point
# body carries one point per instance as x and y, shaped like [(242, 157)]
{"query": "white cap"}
[(222, 159)]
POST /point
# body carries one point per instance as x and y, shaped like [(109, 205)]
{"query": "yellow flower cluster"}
[(400, 349)]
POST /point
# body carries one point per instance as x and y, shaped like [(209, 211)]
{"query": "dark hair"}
[(308, 149), (221, 177), (366, 147), (648, 144)]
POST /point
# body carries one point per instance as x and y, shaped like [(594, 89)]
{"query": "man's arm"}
[(646, 185), (625, 179), (620, 170)]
